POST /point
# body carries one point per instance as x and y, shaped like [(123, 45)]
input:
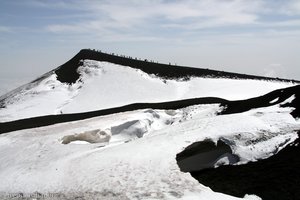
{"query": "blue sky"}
[(248, 36)]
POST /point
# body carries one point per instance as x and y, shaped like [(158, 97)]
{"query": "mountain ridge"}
[(67, 72), (100, 115)]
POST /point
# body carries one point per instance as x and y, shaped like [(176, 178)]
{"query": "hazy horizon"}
[(259, 37)]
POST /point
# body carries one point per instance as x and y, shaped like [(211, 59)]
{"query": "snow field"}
[(133, 167)]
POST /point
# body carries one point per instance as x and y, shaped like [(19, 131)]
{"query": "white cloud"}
[(131, 14), (291, 7), (171, 20), (163, 13)]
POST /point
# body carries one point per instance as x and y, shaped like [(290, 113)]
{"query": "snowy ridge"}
[(104, 85), (67, 73)]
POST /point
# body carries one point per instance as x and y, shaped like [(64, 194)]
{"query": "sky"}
[(259, 37)]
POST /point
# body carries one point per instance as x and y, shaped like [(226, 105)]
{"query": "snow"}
[(289, 100), (105, 85), (274, 100), (44, 97), (131, 155), (132, 166)]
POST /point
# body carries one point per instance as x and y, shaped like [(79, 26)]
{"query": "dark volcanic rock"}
[(295, 104), (67, 72), (204, 154), (265, 100), (275, 178)]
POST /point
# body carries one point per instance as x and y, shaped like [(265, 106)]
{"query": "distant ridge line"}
[(67, 72)]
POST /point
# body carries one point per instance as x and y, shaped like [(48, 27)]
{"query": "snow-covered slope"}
[(137, 160), (115, 130), (104, 85)]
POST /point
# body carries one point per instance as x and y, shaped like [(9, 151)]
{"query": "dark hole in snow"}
[(205, 154), (274, 178)]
